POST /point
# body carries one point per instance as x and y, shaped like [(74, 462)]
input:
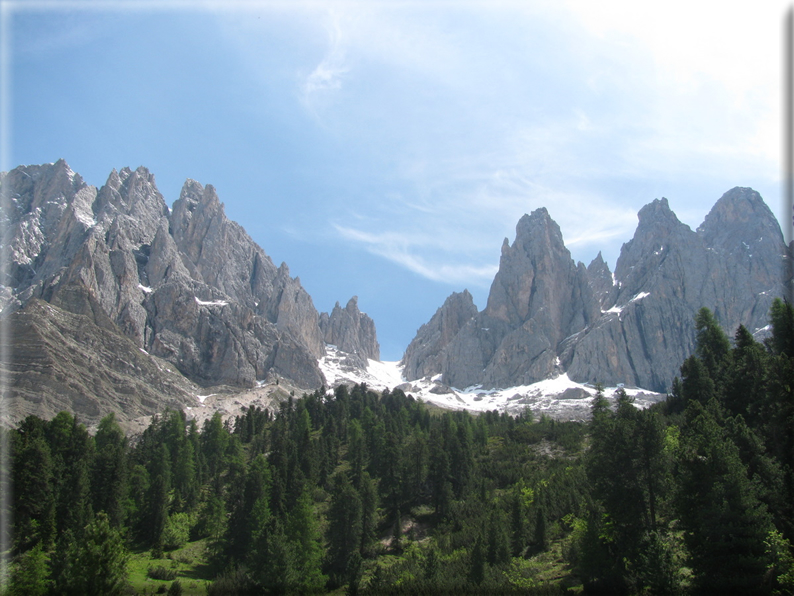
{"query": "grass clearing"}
[(188, 562)]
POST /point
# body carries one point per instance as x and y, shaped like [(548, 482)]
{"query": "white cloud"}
[(328, 75), (477, 113), (426, 255)]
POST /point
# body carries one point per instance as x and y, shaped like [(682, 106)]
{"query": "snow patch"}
[(618, 309), (761, 330), (338, 370), (210, 302), (145, 289), (84, 218)]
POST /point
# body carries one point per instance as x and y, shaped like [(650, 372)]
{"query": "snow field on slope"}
[(559, 397)]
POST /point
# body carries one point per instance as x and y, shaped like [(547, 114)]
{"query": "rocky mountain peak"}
[(187, 286), (351, 331), (600, 278), (352, 304), (538, 298), (423, 355), (740, 220), (657, 219), (538, 230), (546, 315)]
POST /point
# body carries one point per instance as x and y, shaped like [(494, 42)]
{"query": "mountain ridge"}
[(547, 315), (185, 285)]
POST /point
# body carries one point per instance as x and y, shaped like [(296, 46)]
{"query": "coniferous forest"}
[(374, 493)]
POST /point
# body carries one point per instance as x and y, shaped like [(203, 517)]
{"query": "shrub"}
[(176, 531), (161, 573)]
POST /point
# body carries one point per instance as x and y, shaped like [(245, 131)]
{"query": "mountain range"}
[(113, 301), (547, 315), (113, 298)]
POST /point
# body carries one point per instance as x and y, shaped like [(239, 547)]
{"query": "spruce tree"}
[(109, 473), (34, 502), (303, 532), (344, 526), (477, 564), (725, 524), (95, 565)]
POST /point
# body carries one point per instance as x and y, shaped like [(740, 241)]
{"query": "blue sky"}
[(386, 149)]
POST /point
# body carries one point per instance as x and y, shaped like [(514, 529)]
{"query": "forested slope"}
[(375, 494)]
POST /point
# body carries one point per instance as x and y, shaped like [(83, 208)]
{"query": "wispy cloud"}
[(318, 86), (461, 118), (414, 253)]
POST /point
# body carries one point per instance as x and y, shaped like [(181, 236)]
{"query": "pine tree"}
[(109, 474), (34, 503), (696, 384), (541, 539), (73, 450), (96, 565), (29, 574), (369, 512), (157, 500), (498, 541), (712, 345), (255, 489), (344, 526), (303, 532), (745, 384), (477, 565), (356, 452), (781, 316), (518, 538), (725, 524)]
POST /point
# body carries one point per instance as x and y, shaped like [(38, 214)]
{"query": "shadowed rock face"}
[(61, 360), (422, 356), (546, 315), (187, 286)]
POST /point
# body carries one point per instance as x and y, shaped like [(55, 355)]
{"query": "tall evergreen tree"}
[(256, 490), (711, 344), (95, 565), (109, 474), (344, 526), (157, 499), (724, 522), (303, 533), (34, 502)]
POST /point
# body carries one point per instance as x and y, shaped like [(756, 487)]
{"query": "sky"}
[(386, 149)]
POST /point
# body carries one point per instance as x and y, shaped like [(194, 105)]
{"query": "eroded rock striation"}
[(546, 315)]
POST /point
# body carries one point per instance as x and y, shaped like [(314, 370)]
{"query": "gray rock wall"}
[(351, 331)]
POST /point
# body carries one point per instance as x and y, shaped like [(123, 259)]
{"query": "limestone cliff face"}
[(601, 280), (546, 315), (352, 332), (735, 264), (538, 298), (422, 356), (185, 285)]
